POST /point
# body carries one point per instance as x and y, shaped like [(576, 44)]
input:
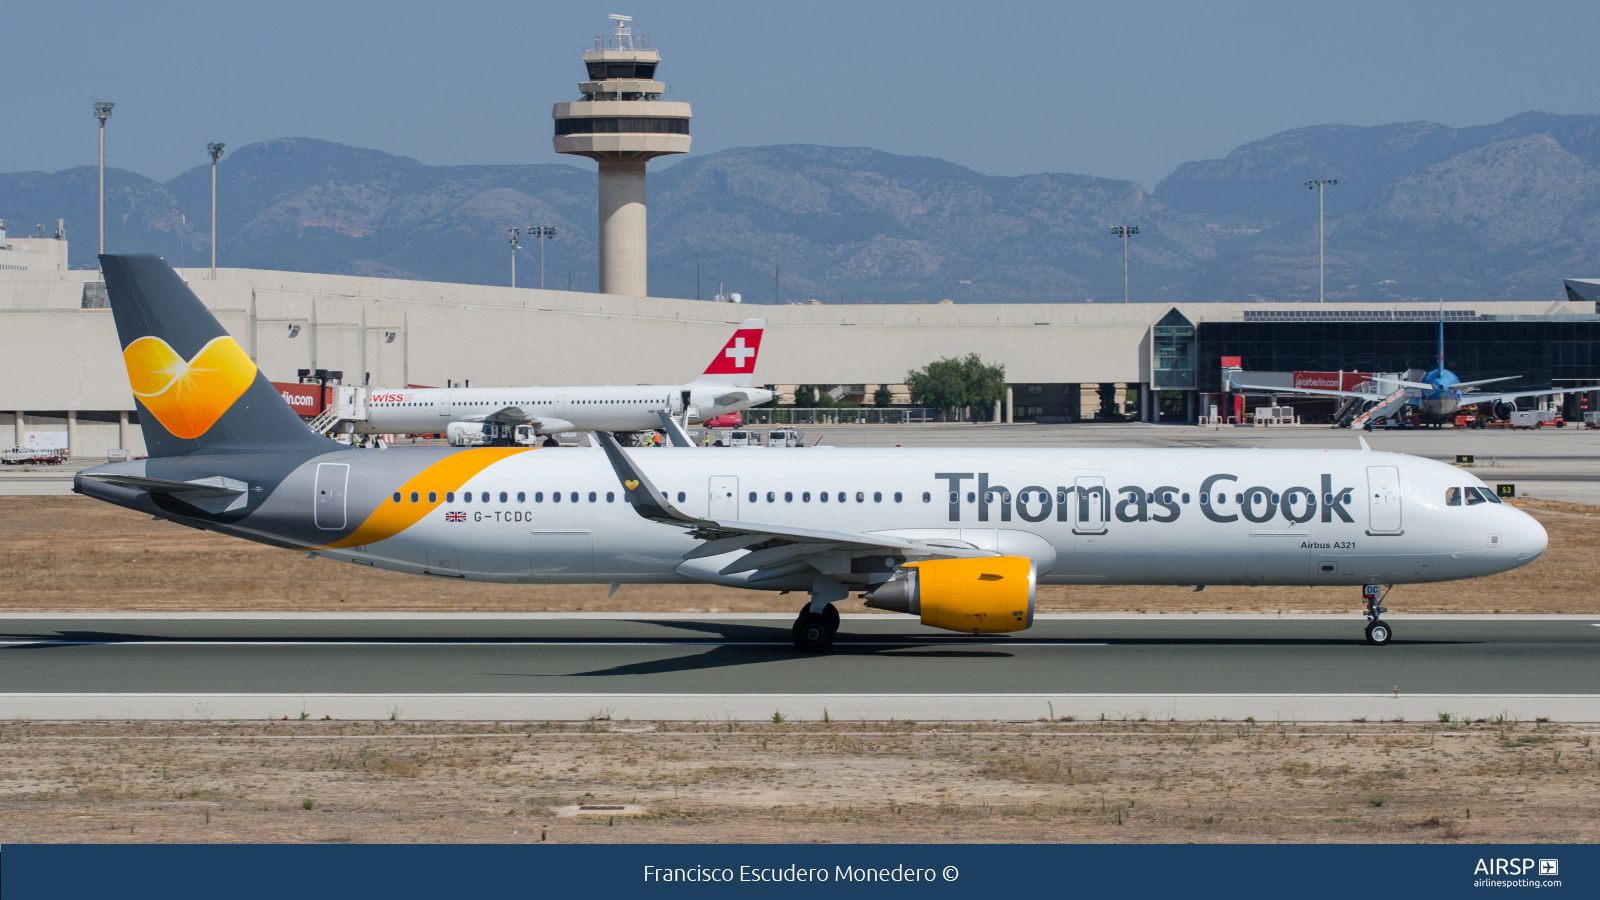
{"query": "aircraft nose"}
[(1534, 538)]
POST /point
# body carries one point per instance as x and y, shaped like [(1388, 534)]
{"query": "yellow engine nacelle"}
[(976, 596)]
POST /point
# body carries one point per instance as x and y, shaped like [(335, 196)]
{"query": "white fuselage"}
[(1309, 517), (608, 408)]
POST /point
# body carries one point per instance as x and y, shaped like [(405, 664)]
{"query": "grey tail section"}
[(148, 299)]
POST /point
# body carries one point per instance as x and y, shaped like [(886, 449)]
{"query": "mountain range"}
[(1420, 211)]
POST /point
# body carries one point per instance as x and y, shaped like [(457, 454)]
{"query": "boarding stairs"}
[(1383, 409), (325, 421)]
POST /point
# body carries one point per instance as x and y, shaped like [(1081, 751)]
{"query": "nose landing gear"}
[(1378, 632)]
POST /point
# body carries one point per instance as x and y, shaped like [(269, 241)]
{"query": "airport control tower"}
[(620, 123)]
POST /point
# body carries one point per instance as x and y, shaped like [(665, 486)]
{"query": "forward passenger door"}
[(1383, 500)]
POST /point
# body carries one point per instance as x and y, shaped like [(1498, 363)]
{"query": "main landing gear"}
[(1378, 631), (813, 632)]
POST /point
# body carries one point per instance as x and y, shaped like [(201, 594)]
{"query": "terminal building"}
[(61, 368)]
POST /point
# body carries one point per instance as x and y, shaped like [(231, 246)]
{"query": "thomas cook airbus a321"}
[(960, 538)]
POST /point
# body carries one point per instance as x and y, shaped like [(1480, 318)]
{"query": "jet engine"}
[(985, 595), (1504, 409)]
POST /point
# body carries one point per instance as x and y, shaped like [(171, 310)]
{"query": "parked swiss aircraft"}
[(960, 538), (493, 414)]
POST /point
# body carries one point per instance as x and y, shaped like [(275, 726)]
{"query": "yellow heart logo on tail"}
[(631, 483), (188, 396)]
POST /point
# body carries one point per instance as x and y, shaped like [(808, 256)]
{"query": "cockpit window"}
[(1474, 496), (1452, 496), (1489, 495)]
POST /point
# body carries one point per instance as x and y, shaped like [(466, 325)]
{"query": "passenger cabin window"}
[(502, 496), (1452, 496), (449, 496)]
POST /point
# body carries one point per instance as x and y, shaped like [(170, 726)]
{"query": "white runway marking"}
[(941, 707)]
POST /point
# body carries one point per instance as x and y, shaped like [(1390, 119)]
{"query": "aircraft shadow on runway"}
[(759, 640)]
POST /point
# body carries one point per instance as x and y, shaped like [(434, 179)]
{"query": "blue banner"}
[(238, 872)]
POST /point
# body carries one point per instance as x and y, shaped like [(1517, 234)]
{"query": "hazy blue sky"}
[(1124, 90)]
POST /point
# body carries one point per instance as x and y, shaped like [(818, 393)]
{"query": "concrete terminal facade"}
[(61, 369)]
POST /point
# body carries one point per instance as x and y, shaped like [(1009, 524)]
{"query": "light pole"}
[(1123, 231), (1317, 184), (545, 233), (215, 150), (102, 111), (512, 233)]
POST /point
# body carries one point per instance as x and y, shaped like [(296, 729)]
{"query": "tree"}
[(986, 384), (805, 397), (950, 384), (883, 396)]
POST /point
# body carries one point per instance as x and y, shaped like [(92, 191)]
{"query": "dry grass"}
[(70, 553), (712, 782)]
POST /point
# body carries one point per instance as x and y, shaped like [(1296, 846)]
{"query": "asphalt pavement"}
[(1441, 662)]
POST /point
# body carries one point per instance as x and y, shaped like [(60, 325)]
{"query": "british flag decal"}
[(455, 517)]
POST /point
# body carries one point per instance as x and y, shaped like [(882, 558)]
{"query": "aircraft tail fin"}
[(196, 388), (735, 363), (1441, 335)]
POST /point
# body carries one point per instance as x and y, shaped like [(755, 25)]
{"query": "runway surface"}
[(676, 666)]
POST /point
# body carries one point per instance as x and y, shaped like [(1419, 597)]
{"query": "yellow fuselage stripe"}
[(448, 474)]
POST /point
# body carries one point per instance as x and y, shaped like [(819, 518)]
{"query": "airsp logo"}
[(1503, 866)]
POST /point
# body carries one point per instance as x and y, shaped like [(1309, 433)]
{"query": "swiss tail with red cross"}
[(735, 363)]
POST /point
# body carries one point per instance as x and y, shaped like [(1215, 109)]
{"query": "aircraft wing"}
[(505, 415), (772, 547), (1475, 399), (1464, 385)]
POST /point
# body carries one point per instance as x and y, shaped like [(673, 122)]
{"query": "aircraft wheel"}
[(830, 614), (1379, 633), (550, 442), (812, 634)]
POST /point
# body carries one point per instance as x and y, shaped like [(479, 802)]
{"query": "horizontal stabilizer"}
[(214, 495)]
